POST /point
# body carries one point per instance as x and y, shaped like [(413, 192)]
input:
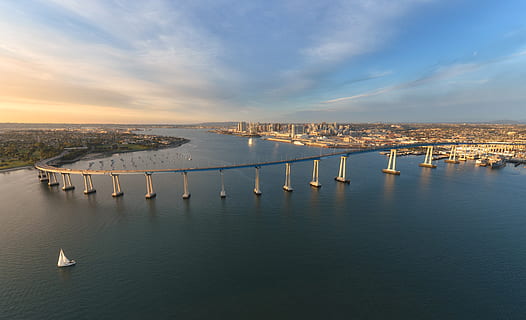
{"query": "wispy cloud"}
[(447, 93), (353, 28), (346, 30), (160, 61), (439, 74), (155, 59), (361, 95)]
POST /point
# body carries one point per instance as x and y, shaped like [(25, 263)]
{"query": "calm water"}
[(428, 244)]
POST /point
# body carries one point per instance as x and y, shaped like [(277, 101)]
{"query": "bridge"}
[(48, 173)]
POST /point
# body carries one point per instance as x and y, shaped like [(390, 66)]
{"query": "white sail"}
[(62, 260)]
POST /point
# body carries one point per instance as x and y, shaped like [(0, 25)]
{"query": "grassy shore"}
[(14, 164), (100, 152)]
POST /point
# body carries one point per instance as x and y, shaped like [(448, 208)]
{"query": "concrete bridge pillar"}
[(287, 186), (391, 165), (88, 184), (257, 190), (342, 172), (149, 186), (52, 179), (428, 161), (315, 182), (116, 185), (452, 155), (222, 194), (66, 179), (462, 156), (186, 193), (43, 175)]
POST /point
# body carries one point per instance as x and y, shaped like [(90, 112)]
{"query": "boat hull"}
[(69, 264), (497, 165)]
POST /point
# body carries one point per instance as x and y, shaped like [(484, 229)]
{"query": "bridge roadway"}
[(44, 166)]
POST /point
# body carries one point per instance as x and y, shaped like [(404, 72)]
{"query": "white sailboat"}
[(63, 261)]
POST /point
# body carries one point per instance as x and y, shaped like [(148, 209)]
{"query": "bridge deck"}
[(42, 165)]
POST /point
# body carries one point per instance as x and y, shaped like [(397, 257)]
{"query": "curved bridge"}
[(47, 172)]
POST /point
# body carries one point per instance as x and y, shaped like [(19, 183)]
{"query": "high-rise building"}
[(296, 130), (242, 126)]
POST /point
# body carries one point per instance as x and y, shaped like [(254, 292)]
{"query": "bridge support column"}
[(342, 171), (222, 194), (88, 184), (116, 185), (462, 155), (43, 176), (186, 193), (428, 161), (257, 190), (452, 156), (391, 165), (149, 186), (315, 170), (287, 186), (66, 179), (52, 179)]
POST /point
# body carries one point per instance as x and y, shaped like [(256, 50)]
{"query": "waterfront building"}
[(242, 126), (296, 130)]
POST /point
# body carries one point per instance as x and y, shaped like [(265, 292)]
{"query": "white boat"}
[(63, 261), (299, 143)]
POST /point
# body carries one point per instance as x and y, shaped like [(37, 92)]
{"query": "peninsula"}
[(23, 147)]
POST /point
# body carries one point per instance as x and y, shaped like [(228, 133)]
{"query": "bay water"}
[(444, 243)]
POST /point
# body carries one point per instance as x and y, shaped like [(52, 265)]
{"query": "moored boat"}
[(497, 163), (481, 162)]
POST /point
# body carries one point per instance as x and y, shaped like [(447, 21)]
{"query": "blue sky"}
[(282, 61)]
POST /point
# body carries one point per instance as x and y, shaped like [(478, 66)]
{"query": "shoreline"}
[(296, 141), (93, 155), (16, 168)]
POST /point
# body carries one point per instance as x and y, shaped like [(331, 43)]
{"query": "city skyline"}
[(177, 62)]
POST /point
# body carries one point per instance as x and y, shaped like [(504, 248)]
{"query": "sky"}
[(68, 61)]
